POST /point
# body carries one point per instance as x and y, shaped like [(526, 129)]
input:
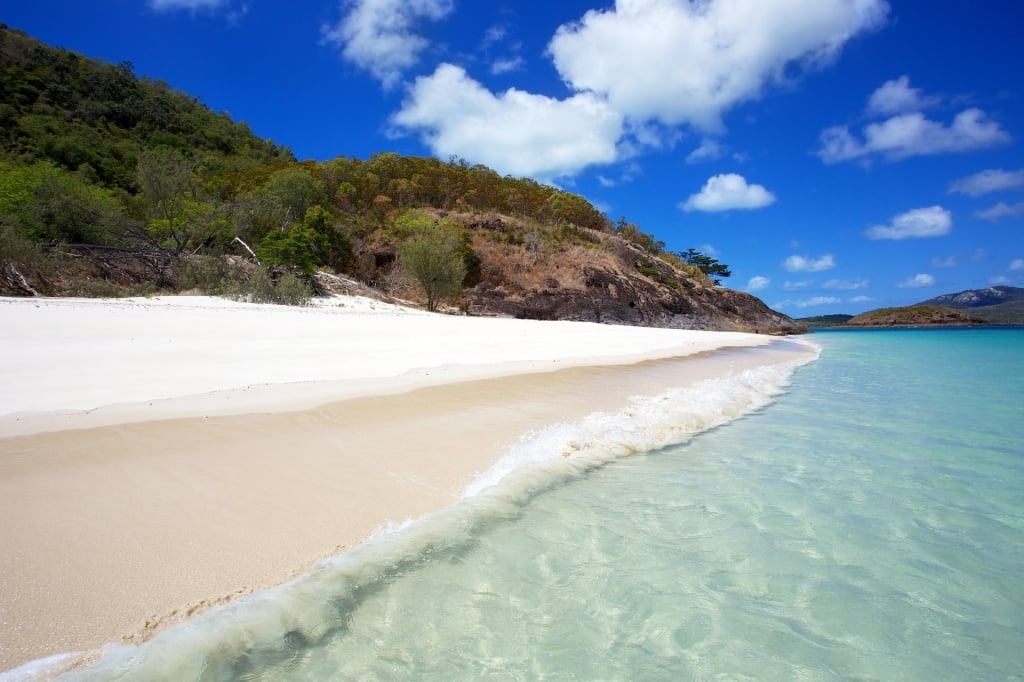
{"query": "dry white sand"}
[(161, 455), (79, 363)]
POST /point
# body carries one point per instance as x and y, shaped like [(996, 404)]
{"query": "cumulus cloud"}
[(1017, 264), (988, 181), (650, 66), (757, 283), (846, 284), (917, 281), (378, 35), (727, 192), (948, 262), (688, 62), (1001, 210), (798, 286), (912, 134), (897, 97), (860, 299), (514, 132), (804, 264), (167, 5), (933, 221)]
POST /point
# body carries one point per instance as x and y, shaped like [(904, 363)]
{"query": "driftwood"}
[(127, 265), (17, 281)]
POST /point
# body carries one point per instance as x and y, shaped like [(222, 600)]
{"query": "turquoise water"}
[(867, 523)]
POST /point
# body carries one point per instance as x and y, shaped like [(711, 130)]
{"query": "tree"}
[(48, 203), (308, 244), (165, 178), (708, 265), (434, 255)]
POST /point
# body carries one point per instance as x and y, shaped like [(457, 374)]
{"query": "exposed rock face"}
[(618, 298), (975, 298)]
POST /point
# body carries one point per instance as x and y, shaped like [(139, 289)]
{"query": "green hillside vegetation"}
[(113, 184), (914, 316), (1011, 312), (825, 320)]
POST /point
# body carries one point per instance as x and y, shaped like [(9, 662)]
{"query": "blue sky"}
[(839, 155)]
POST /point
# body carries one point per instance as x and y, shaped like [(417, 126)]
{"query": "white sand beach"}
[(158, 456)]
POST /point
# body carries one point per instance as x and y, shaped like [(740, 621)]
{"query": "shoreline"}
[(163, 519)]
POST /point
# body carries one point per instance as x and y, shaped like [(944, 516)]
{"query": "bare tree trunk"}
[(246, 247)]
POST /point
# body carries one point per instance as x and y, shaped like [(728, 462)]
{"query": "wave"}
[(274, 627)]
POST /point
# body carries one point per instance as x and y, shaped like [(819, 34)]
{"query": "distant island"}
[(825, 320), (1000, 304), (992, 305), (914, 316)]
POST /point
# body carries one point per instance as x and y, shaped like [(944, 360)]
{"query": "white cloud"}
[(709, 150), (804, 264), (917, 281), (933, 221), (167, 5), (514, 132), (1001, 210), (808, 302), (377, 35), (757, 283), (909, 135), (727, 192), (860, 299), (817, 300), (999, 279), (798, 286), (897, 97), (708, 250), (988, 181), (1017, 264), (948, 262), (507, 65), (678, 61), (846, 284)]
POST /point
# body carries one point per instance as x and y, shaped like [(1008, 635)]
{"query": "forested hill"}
[(114, 184), (95, 118)]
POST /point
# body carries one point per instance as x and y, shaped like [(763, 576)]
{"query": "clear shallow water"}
[(867, 524)]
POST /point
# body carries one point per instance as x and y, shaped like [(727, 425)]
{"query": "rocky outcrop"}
[(630, 298)]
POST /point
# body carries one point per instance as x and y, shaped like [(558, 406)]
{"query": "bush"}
[(290, 289), (210, 275)]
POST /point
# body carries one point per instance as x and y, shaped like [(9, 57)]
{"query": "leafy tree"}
[(165, 177), (51, 204), (711, 267), (434, 255), (293, 190), (308, 244)]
